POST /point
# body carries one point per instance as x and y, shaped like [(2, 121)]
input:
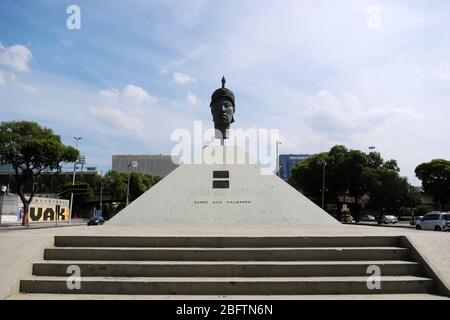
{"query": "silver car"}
[(367, 217), (436, 220), (389, 219)]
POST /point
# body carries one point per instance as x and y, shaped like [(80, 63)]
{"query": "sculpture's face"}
[(222, 111)]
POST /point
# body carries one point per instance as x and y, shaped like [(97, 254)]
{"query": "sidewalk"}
[(42, 225), (375, 224)]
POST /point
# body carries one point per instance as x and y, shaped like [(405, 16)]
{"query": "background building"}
[(155, 165), (287, 161), (48, 182)]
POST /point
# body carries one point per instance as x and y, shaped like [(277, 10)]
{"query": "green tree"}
[(388, 191), (354, 173), (306, 176), (31, 150), (139, 183), (115, 184), (82, 191), (435, 176), (343, 174)]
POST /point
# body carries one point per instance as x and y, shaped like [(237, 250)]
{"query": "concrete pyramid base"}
[(246, 194)]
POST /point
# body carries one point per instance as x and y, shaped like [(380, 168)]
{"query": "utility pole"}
[(323, 163), (1, 208), (132, 164), (101, 195), (73, 180), (57, 210)]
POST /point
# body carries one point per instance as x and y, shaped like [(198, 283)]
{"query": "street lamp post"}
[(101, 195), (277, 172), (132, 164), (73, 180), (323, 163)]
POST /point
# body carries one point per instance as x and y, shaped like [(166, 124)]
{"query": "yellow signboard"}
[(47, 209), (48, 214)]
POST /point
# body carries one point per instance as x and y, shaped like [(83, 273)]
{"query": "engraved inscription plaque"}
[(221, 174), (221, 184)]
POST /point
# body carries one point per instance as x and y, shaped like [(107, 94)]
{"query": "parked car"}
[(95, 221), (436, 220), (367, 217), (413, 222), (388, 219)]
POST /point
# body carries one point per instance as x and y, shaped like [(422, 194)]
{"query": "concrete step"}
[(225, 268), (227, 286), (228, 254), (225, 242)]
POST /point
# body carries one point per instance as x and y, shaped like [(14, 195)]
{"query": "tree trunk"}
[(25, 203), (26, 207)]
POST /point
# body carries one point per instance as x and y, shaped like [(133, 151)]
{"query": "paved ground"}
[(400, 224), (19, 248), (41, 225)]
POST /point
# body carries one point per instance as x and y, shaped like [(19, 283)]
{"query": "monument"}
[(225, 192), (260, 237)]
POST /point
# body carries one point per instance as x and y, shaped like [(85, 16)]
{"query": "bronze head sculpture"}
[(222, 109)]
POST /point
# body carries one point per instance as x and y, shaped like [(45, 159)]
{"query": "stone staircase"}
[(227, 266)]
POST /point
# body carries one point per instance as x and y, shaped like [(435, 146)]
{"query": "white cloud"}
[(137, 95), (16, 57), (117, 117), (182, 78), (131, 94), (339, 118), (124, 108), (192, 99)]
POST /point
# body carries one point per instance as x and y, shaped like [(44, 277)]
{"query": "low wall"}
[(40, 210)]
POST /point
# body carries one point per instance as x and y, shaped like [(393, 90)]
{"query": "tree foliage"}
[(354, 173), (31, 150), (115, 184), (435, 177)]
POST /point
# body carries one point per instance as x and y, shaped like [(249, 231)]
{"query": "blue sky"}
[(355, 72)]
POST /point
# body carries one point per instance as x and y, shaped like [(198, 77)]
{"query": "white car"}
[(389, 219), (436, 220), (367, 217)]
